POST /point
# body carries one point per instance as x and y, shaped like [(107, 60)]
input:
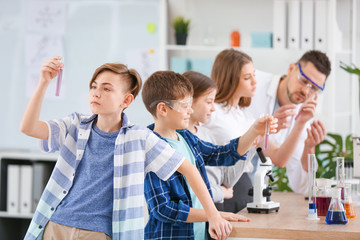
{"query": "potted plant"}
[(181, 27)]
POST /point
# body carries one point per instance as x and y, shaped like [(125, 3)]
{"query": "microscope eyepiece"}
[(261, 155)]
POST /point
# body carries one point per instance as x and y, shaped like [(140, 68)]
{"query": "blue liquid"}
[(336, 217)]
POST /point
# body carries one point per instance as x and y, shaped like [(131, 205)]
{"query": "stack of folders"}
[(25, 184), (300, 24)]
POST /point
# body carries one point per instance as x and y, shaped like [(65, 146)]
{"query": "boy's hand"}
[(50, 69), (232, 217), (260, 124), (228, 192), (283, 115), (219, 228)]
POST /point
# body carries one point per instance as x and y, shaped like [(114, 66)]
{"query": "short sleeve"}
[(58, 130), (160, 157)]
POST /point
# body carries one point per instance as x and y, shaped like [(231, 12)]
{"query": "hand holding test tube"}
[(58, 83), (314, 98)]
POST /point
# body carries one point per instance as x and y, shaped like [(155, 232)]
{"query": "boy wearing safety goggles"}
[(174, 210)]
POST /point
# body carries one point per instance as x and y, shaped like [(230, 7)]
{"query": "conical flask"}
[(336, 213)]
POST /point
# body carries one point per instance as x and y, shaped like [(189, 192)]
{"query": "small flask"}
[(336, 213), (235, 39), (348, 203)]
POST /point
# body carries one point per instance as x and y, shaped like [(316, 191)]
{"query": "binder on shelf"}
[(279, 23), (294, 24), (179, 64), (41, 175), (202, 65), (321, 9), (13, 187), (261, 40), (307, 25), (26, 188)]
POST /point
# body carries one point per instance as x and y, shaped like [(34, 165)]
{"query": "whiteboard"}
[(95, 32)]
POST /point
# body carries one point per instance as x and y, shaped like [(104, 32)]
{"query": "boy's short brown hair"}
[(130, 76), (164, 85)]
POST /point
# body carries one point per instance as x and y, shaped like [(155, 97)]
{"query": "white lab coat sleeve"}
[(233, 173), (215, 175)]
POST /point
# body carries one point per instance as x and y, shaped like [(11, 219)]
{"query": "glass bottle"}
[(336, 213), (235, 39)]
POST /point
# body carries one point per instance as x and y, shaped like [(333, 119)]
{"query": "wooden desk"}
[(291, 223)]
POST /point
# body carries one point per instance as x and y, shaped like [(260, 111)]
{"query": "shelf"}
[(30, 156), (200, 48), (4, 214)]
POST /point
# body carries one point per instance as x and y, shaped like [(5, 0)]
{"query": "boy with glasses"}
[(287, 97), (174, 210)]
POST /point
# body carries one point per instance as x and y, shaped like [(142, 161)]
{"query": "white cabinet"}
[(338, 104), (28, 175)]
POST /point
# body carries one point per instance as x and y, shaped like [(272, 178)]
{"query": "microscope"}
[(261, 193)]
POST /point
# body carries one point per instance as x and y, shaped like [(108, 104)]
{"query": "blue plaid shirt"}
[(169, 202), (137, 150)]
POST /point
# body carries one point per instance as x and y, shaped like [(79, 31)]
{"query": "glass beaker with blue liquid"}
[(336, 213)]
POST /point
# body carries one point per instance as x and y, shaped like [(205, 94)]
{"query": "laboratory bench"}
[(290, 222)]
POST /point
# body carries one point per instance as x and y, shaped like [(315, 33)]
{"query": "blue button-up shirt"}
[(169, 201)]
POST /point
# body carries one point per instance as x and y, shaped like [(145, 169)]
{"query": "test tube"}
[(340, 174), (312, 212), (58, 83), (298, 115), (267, 132)]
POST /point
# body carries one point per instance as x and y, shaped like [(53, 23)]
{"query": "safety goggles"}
[(305, 81), (180, 106)]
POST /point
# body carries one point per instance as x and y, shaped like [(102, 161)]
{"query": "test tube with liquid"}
[(312, 213), (267, 132), (58, 83)]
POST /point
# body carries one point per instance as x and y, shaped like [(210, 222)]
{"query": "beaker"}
[(336, 213), (348, 203), (323, 196)]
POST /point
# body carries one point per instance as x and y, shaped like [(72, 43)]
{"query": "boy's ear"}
[(129, 98), (161, 109)]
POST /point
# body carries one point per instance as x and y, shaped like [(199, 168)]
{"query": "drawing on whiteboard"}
[(44, 17), (41, 47)]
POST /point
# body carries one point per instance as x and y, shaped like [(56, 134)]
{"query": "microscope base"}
[(263, 207)]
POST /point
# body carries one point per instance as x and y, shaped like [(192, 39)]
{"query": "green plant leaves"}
[(326, 152), (181, 25)]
